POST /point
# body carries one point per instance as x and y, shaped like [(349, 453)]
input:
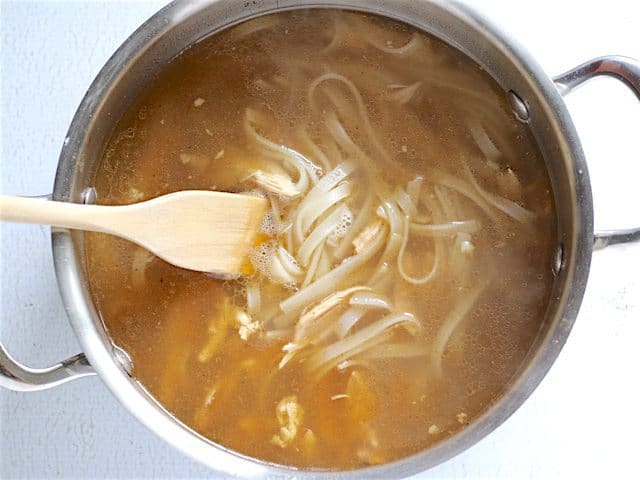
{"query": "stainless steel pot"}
[(536, 100)]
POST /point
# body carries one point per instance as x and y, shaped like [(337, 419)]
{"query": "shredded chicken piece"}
[(308, 315), (141, 260), (289, 414), (307, 327), (366, 236), (201, 415), (372, 436), (344, 365), (370, 452), (247, 327), (290, 350), (216, 337), (200, 162), (462, 418), (217, 330), (198, 102), (434, 430), (370, 456), (362, 402), (275, 182), (211, 394), (339, 396), (309, 442), (135, 195)]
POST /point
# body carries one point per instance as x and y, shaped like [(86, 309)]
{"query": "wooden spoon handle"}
[(57, 214)]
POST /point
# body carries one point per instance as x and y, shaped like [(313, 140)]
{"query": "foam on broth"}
[(441, 127)]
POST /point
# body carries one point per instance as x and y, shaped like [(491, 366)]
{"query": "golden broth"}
[(438, 120)]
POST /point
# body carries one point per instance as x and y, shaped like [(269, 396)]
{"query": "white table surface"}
[(583, 420)]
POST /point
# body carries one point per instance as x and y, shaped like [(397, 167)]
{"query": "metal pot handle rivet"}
[(626, 70)]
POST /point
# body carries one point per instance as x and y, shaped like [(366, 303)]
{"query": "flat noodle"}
[(403, 94), (442, 178), (322, 196), (428, 276), (374, 334), (325, 284), (142, 258), (445, 229), (304, 167), (362, 219), (512, 209), (364, 116), (320, 233), (456, 316), (315, 150)]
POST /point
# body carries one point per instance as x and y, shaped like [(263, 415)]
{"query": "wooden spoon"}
[(197, 230)]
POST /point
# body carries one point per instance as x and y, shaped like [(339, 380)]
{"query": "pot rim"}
[(139, 403)]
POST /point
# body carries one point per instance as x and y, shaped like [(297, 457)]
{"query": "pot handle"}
[(627, 70), (20, 378)]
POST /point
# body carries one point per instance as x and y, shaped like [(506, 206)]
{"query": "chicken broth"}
[(402, 271)]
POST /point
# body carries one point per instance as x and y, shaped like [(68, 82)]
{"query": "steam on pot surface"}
[(402, 271)]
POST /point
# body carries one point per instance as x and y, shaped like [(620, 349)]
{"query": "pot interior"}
[(179, 25)]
